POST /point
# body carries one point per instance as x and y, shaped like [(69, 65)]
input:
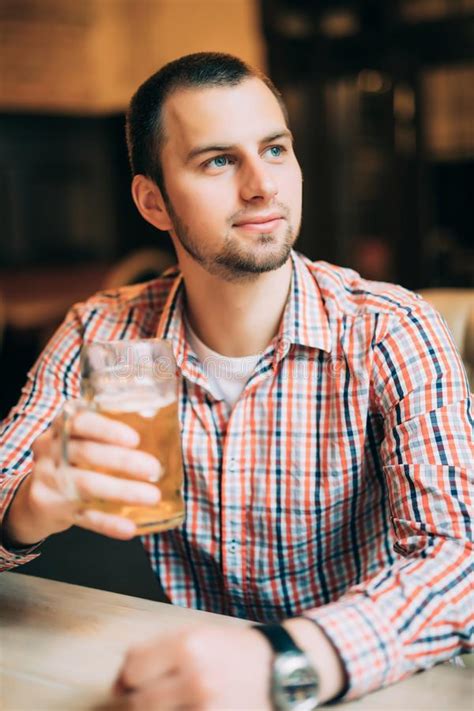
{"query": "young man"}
[(327, 451)]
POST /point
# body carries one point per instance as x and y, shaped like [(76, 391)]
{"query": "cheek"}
[(203, 203), (293, 187), (191, 195), (201, 211), (183, 199)]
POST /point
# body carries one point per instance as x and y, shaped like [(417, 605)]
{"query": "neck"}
[(236, 319)]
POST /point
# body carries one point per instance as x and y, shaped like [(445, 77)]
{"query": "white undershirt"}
[(227, 376)]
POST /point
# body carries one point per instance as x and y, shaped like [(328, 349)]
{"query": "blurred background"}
[(381, 102)]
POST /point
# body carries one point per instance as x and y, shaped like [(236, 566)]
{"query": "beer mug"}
[(135, 382)]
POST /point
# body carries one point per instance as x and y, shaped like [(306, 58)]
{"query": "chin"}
[(255, 261)]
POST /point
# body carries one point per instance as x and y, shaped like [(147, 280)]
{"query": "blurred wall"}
[(90, 56)]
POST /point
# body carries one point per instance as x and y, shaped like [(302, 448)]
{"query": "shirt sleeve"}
[(53, 379), (418, 611)]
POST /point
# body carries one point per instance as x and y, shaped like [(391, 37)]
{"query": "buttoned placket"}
[(233, 472), (235, 479), (232, 518)]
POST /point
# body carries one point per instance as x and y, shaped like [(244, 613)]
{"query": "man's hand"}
[(43, 505), (217, 668), (202, 668)]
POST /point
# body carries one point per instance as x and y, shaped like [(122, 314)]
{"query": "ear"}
[(148, 198)]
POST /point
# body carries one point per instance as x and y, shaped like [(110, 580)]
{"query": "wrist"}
[(322, 654), (22, 526), (294, 682)]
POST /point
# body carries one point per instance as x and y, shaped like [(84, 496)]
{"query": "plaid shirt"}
[(338, 485)]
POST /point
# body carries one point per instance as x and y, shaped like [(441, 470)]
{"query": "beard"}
[(234, 261)]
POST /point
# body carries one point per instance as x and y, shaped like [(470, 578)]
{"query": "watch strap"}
[(280, 640)]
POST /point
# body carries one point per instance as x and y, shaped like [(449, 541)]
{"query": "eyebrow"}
[(216, 148)]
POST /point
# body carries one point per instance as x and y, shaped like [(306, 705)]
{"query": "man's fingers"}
[(87, 424), (171, 693), (122, 687), (106, 524), (129, 462), (154, 659), (94, 485), (90, 425)]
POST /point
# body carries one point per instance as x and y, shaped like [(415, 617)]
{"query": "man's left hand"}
[(202, 668)]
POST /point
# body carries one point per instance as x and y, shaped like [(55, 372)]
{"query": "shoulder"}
[(139, 306), (345, 292)]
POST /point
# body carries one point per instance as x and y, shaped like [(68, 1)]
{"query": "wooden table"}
[(61, 647)]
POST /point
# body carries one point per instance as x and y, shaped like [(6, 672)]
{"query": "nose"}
[(257, 182)]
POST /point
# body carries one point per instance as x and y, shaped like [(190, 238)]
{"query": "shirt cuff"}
[(366, 642), (11, 556)]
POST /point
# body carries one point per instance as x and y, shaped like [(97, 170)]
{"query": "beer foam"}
[(145, 403)]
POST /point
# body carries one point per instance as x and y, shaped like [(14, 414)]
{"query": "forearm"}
[(406, 618), (322, 654)]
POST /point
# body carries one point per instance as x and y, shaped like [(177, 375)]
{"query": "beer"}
[(136, 382), (156, 421)]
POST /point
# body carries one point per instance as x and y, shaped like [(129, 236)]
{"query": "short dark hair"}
[(144, 124)]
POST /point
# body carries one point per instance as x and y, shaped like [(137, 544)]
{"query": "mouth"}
[(259, 223)]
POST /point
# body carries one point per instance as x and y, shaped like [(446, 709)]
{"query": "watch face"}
[(295, 683)]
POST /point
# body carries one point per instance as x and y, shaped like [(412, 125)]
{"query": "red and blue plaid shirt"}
[(337, 486)]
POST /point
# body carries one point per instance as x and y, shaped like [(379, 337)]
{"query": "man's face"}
[(233, 184)]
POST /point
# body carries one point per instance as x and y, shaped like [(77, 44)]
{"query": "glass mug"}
[(135, 382)]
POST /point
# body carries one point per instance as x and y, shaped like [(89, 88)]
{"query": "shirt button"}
[(232, 465), (233, 547)]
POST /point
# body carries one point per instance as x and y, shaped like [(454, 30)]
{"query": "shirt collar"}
[(172, 324), (304, 321)]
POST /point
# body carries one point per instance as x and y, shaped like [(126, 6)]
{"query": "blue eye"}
[(218, 162), (275, 151)]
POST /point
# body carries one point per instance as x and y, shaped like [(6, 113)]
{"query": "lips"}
[(258, 220)]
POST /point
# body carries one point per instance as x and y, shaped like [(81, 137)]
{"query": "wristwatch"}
[(294, 682)]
